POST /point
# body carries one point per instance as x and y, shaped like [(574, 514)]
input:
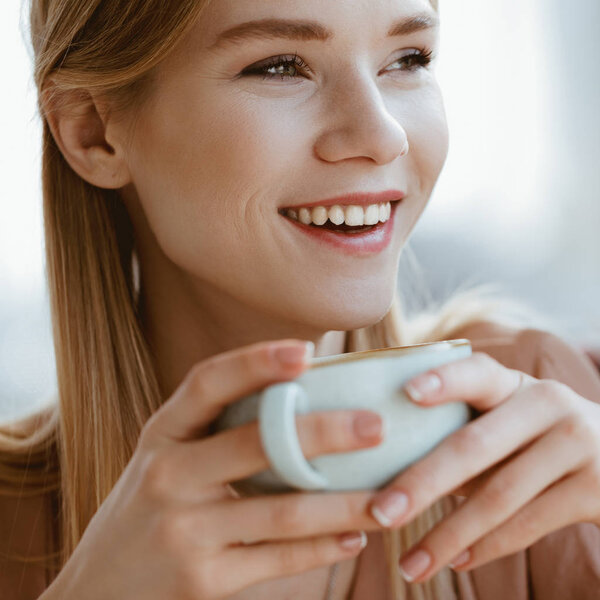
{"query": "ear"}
[(82, 128)]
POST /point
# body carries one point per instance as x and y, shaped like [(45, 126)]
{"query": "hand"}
[(529, 465), (171, 528)]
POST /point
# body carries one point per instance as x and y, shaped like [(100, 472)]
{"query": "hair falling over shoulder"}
[(106, 384), (107, 388)]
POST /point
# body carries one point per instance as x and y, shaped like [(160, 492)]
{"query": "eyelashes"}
[(276, 62), (416, 59)]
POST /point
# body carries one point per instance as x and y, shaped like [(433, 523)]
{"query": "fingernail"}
[(415, 564), (367, 426), (353, 541), (389, 507), (297, 354), (461, 559), (422, 386)]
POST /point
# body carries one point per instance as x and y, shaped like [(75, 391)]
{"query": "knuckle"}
[(525, 525), (258, 361), (300, 556), (484, 362), (198, 580), (144, 441), (322, 550), (471, 440), (289, 558), (147, 441), (194, 572), (556, 392), (522, 526), (262, 358), (171, 529), (322, 431), (428, 483), (583, 432), (349, 508), (481, 359), (495, 495), (205, 377), (156, 476), (574, 427), (199, 377), (249, 363), (324, 434), (288, 515), (452, 538), (494, 545), (424, 485)]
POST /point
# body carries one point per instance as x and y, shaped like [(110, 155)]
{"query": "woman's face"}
[(220, 149)]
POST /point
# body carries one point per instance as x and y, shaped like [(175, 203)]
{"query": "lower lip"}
[(356, 244)]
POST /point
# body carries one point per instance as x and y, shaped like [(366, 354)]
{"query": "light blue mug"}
[(372, 380)]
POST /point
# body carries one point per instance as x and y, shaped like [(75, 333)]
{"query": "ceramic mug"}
[(371, 380)]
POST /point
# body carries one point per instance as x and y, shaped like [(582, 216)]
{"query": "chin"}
[(349, 316)]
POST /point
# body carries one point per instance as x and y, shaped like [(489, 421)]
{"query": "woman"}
[(187, 148)]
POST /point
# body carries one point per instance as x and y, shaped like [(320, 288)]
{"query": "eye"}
[(281, 67), (290, 67), (414, 60)]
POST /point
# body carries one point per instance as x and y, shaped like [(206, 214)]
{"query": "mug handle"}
[(277, 410)]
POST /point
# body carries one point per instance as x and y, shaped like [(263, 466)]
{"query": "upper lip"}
[(355, 198)]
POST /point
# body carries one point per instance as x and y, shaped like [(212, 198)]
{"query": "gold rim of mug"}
[(324, 361)]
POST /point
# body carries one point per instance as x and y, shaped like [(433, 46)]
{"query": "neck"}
[(186, 328)]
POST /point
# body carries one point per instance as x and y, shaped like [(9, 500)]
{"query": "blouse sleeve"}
[(538, 353)]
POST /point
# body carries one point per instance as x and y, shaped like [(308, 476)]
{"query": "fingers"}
[(513, 487), (256, 563), (222, 379), (469, 487), (469, 452), (288, 516), (479, 380), (187, 469), (561, 505)]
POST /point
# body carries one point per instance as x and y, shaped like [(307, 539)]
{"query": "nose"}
[(361, 126)]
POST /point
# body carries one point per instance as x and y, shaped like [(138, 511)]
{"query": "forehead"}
[(363, 18)]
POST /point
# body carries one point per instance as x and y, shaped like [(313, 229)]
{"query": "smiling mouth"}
[(342, 219)]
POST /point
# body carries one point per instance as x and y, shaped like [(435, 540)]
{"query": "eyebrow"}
[(310, 30)]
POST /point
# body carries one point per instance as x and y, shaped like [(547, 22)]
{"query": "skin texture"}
[(203, 168)]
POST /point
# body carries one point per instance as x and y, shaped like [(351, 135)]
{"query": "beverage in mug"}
[(371, 380)]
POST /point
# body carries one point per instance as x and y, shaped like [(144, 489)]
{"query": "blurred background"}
[(517, 205)]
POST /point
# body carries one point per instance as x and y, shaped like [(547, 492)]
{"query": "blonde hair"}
[(107, 389)]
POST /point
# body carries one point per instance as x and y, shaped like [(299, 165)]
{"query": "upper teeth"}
[(350, 215)]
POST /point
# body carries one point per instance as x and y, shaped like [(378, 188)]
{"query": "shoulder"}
[(23, 534), (28, 482), (539, 353)]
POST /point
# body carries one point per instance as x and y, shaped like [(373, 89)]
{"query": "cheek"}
[(428, 137), (211, 166)]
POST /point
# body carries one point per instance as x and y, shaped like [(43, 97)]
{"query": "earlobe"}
[(79, 129)]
